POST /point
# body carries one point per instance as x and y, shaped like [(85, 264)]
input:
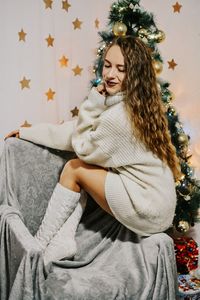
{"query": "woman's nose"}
[(111, 73)]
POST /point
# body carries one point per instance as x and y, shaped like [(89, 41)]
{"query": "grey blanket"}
[(111, 263)]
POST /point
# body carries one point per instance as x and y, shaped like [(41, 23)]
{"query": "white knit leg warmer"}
[(63, 245), (61, 205)]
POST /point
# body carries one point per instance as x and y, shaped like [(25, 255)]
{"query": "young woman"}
[(125, 158)]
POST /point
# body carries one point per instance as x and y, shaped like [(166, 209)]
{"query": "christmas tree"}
[(128, 17)]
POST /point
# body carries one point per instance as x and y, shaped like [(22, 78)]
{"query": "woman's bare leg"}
[(77, 174)]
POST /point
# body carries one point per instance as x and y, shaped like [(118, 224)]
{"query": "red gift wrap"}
[(186, 250)]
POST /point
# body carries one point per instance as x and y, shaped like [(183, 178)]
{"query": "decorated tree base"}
[(186, 251)]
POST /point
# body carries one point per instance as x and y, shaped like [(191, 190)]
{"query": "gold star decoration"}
[(22, 35), (74, 111), (77, 70), (25, 83), (63, 61), (48, 3), (177, 7), (77, 23), (172, 64), (26, 124), (65, 5), (96, 23), (50, 41), (50, 94)]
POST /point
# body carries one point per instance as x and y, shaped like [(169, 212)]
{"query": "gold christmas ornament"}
[(183, 151), (158, 67), (160, 36), (172, 96), (119, 29), (142, 34), (157, 37), (121, 9), (182, 226), (152, 36), (183, 139)]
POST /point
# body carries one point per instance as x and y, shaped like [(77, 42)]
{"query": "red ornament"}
[(186, 250)]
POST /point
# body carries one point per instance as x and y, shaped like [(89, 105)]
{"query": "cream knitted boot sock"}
[(62, 203), (63, 244)]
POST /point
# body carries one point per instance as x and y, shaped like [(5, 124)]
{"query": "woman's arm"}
[(60, 136), (89, 120), (50, 135)]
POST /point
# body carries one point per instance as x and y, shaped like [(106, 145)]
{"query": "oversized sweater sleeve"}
[(86, 147), (51, 135)]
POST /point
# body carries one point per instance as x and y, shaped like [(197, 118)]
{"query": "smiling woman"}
[(113, 70), (120, 146), (123, 148)]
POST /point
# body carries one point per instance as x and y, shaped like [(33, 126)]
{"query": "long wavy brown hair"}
[(143, 101)]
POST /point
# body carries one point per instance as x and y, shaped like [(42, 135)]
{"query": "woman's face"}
[(113, 70)]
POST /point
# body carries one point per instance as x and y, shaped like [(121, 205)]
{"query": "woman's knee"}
[(70, 169)]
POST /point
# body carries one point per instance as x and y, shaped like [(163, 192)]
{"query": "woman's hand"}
[(101, 89), (14, 133)]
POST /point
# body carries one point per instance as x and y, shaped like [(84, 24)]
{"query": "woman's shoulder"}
[(116, 111), (115, 118)]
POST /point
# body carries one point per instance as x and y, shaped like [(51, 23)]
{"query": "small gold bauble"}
[(183, 151), (119, 29), (158, 67), (172, 96), (157, 37), (151, 36), (142, 32), (181, 178), (182, 226), (183, 139), (121, 9), (160, 37)]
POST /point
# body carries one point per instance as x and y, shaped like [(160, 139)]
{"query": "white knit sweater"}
[(139, 188)]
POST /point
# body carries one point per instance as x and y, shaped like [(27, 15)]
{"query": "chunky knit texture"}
[(61, 205), (139, 187)]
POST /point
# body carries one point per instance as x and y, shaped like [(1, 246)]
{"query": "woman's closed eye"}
[(121, 69), (107, 66)]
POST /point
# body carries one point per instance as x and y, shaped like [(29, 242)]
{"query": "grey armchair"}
[(111, 263)]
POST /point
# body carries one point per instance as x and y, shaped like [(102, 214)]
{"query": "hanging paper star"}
[(50, 94), (96, 23), (177, 7), (74, 111), (63, 61), (25, 83), (65, 5), (48, 3), (50, 41), (26, 124), (77, 70), (172, 64), (77, 23), (22, 35)]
